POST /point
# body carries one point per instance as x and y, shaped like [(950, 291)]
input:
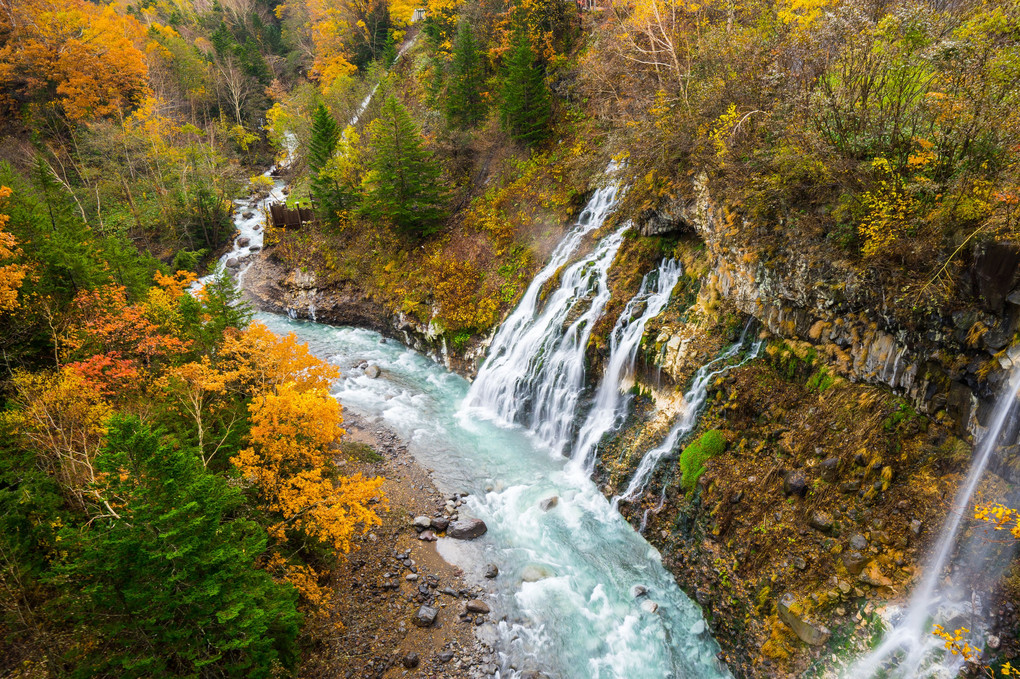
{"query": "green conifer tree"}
[(404, 183), (329, 197), (166, 584), (389, 53), (464, 104), (524, 107)]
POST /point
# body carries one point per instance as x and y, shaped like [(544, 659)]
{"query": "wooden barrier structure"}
[(284, 217)]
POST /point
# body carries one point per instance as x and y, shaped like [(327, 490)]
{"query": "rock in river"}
[(466, 529), (549, 503), (534, 573), (422, 523), (372, 371)]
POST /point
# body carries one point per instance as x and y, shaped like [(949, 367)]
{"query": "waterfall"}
[(909, 648), (534, 373), (693, 400), (607, 409)]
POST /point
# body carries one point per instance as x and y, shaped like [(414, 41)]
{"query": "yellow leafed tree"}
[(293, 438), (63, 416)]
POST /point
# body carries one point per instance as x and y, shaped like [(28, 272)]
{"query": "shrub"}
[(694, 456)]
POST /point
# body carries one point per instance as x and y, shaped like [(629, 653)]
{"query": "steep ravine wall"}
[(940, 359)]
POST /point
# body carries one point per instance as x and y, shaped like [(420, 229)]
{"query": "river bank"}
[(382, 583)]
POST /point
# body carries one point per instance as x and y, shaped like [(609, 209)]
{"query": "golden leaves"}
[(11, 275), (62, 415), (1004, 518), (262, 360), (294, 434)]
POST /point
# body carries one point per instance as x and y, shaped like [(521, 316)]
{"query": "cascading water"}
[(693, 400), (910, 649), (535, 370), (607, 408), (249, 220), (567, 574)]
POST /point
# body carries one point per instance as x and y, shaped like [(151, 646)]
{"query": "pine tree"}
[(325, 135), (166, 585), (524, 106), (403, 184), (389, 53), (464, 104)]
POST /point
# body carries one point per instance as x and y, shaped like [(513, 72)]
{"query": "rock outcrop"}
[(302, 294), (952, 360)]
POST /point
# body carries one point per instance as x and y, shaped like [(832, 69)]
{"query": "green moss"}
[(821, 380), (694, 456), (360, 451)]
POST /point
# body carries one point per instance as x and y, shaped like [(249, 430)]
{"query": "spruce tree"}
[(403, 184), (524, 107), (166, 583), (329, 198), (464, 104)]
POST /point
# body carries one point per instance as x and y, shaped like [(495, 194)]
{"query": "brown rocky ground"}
[(381, 585)]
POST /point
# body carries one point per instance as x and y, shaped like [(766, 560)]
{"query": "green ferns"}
[(694, 456)]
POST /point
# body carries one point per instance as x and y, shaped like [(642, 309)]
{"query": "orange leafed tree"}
[(103, 322), (295, 429), (262, 360), (84, 57), (11, 275)]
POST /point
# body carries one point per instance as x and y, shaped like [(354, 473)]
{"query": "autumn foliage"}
[(82, 57), (11, 273), (163, 417)]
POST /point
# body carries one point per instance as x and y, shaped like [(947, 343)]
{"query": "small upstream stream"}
[(579, 617)]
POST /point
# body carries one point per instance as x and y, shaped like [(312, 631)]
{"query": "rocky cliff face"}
[(302, 294), (940, 359)]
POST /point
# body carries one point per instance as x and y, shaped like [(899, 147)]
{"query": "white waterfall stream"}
[(607, 409), (534, 373), (910, 649), (693, 400)]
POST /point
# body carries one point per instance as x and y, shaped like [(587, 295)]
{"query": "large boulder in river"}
[(549, 503), (793, 614), (232, 263), (243, 242), (466, 529)]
